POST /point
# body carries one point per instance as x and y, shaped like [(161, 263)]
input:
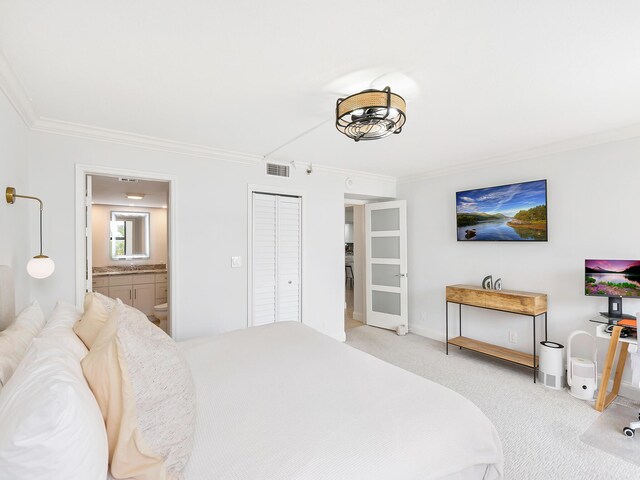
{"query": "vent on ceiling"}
[(277, 170), (129, 180)]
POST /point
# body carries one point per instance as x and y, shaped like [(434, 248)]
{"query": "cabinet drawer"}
[(115, 280), (143, 278), (161, 278), (161, 290), (100, 281)]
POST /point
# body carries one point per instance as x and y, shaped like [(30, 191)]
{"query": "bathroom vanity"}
[(140, 289)]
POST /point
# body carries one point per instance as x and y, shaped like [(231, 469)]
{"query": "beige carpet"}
[(539, 427)]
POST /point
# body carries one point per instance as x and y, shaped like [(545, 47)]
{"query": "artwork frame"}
[(514, 212)]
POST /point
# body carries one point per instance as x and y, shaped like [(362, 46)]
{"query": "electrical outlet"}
[(513, 337)]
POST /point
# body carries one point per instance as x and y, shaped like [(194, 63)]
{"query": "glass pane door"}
[(386, 264)]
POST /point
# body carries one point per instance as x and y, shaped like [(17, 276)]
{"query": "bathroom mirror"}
[(129, 235)]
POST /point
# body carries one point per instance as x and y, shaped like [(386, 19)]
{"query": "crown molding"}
[(576, 143), (15, 92), (60, 127)]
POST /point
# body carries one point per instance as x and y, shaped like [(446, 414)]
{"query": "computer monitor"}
[(615, 279)]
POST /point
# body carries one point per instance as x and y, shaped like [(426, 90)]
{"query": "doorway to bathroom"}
[(127, 242), (354, 306)]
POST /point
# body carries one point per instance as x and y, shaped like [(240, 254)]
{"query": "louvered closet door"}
[(288, 254), (276, 258)]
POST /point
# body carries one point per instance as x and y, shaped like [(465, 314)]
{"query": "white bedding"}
[(282, 401)]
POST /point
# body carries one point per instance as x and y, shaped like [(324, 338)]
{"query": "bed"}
[(283, 401)]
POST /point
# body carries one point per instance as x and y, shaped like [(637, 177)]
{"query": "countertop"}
[(127, 272)]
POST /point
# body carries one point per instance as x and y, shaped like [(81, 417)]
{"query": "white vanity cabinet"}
[(101, 285), (139, 290), (123, 292)]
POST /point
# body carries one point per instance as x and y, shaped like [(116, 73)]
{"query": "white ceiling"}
[(111, 191), (481, 78)]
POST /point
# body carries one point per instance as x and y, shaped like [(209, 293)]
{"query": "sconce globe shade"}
[(40, 267)]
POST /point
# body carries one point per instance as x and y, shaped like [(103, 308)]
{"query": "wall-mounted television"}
[(507, 213), (615, 279)]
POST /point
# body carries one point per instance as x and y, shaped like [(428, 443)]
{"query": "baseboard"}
[(358, 316), (341, 336), (427, 332), (627, 390)]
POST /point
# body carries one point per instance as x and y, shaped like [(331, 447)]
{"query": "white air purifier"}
[(582, 370), (551, 365)]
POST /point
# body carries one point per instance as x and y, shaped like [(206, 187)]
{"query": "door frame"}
[(82, 170), (273, 190)]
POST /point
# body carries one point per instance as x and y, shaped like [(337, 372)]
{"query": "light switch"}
[(236, 262)]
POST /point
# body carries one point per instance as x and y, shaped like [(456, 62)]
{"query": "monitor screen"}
[(612, 278)]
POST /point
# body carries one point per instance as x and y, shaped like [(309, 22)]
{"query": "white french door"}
[(386, 270), (276, 258)]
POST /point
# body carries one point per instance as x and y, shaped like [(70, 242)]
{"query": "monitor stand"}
[(615, 307)]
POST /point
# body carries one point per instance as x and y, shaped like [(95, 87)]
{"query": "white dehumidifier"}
[(582, 371)]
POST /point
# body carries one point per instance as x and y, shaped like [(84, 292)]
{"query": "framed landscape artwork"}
[(507, 213)]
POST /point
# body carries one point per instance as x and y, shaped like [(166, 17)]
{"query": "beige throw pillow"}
[(145, 391), (97, 308)]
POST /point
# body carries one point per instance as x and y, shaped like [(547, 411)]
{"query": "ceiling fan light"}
[(370, 114)]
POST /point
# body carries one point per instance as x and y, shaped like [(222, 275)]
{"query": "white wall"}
[(17, 244), (211, 226), (101, 216), (593, 213)]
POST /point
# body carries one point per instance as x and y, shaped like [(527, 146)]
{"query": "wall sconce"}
[(39, 266)]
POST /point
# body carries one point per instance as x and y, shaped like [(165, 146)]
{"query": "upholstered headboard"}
[(7, 297)]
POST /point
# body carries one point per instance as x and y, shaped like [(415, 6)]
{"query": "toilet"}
[(160, 311)]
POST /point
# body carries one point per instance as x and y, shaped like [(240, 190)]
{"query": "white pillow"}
[(59, 329), (32, 318), (15, 339), (52, 427)]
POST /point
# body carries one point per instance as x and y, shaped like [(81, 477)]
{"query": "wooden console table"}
[(510, 301)]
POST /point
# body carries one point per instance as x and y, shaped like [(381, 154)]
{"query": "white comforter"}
[(285, 402)]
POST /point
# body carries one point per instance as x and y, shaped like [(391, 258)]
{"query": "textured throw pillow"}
[(59, 329), (51, 426), (15, 339), (97, 308), (145, 391)]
